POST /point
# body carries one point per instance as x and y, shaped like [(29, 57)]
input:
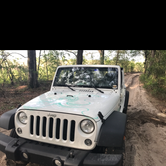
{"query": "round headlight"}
[(22, 117), (87, 126)]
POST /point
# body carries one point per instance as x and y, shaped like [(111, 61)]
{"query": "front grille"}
[(55, 128)]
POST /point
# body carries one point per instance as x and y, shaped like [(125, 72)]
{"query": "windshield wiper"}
[(65, 85), (69, 87), (98, 89)]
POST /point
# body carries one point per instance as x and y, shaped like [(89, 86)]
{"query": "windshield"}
[(97, 77)]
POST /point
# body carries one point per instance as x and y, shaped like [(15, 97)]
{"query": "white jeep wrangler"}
[(80, 122)]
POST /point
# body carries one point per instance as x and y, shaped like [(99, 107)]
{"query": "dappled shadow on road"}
[(145, 130)]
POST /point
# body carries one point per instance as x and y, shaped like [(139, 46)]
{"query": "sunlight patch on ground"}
[(21, 87), (133, 87), (162, 115)]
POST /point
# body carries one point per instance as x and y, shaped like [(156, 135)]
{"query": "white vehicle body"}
[(70, 106)]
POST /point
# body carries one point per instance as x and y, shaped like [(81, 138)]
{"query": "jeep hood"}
[(74, 102)]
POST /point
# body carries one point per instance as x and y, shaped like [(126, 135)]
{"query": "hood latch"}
[(100, 115)]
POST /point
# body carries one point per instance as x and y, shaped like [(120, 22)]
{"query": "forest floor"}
[(145, 143)]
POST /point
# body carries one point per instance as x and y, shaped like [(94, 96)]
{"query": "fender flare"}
[(7, 119), (112, 131), (126, 102)]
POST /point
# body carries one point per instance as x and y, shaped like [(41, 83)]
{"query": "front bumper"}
[(19, 149)]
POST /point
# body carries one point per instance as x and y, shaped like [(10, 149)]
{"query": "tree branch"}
[(71, 52), (16, 53), (5, 55)]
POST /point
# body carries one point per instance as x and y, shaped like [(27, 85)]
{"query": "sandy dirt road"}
[(146, 129), (145, 143)]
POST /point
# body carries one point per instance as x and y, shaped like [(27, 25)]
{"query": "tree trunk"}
[(10, 73), (101, 56), (160, 69), (79, 57), (145, 63), (46, 67), (39, 60), (117, 57), (152, 59), (33, 82)]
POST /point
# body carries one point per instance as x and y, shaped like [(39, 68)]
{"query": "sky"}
[(22, 60)]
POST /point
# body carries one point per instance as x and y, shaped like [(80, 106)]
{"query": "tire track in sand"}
[(145, 130)]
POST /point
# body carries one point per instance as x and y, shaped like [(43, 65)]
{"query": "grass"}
[(154, 86)]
